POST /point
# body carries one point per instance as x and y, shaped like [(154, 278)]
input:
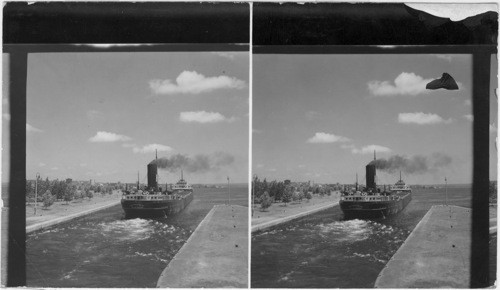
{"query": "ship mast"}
[(375, 169), (156, 162), (356, 181), (138, 180)]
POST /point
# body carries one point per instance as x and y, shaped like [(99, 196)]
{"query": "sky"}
[(320, 118), (101, 116)]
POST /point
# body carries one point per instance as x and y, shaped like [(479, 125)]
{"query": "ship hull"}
[(373, 209), (154, 208)]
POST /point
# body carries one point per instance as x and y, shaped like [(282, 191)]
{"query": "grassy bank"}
[(280, 212), (62, 209)]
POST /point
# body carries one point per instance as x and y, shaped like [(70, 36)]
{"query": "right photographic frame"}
[(374, 158)]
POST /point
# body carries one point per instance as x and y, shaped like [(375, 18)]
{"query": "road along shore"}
[(279, 214), (215, 255), (435, 255)]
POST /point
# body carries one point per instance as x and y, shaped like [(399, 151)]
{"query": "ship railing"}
[(369, 198), (147, 197)]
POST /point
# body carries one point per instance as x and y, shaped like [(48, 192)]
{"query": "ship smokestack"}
[(152, 172), (370, 176)]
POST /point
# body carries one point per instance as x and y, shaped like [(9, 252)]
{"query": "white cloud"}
[(32, 129), (421, 119), (83, 164), (55, 168), (29, 128), (369, 149), (41, 164), (404, 84), (151, 148), (321, 137), (469, 117), (102, 136), (204, 117), (225, 54), (257, 131), (191, 82)]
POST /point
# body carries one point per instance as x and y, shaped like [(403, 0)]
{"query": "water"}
[(106, 250), (324, 251)]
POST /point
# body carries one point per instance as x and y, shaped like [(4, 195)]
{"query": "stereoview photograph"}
[(362, 170), (136, 169)]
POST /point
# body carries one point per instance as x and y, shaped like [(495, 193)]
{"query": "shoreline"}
[(278, 213), (56, 221), (61, 212)]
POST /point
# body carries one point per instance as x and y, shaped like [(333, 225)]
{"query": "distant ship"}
[(182, 185), (371, 203), (153, 201)]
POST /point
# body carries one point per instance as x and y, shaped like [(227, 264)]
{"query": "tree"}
[(301, 195), (30, 189), (48, 199), (69, 194), (59, 188), (308, 196), (89, 193), (295, 196), (265, 201), (287, 196)]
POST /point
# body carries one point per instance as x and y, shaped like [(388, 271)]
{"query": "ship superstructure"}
[(182, 185)]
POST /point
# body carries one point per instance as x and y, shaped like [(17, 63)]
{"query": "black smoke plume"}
[(416, 164), (196, 163)]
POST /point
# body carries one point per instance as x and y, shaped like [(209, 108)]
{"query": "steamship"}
[(182, 186), (371, 202), (152, 201)]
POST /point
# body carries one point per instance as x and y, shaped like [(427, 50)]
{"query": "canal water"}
[(105, 250), (324, 251)]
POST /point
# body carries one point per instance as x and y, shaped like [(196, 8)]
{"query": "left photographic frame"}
[(126, 148)]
